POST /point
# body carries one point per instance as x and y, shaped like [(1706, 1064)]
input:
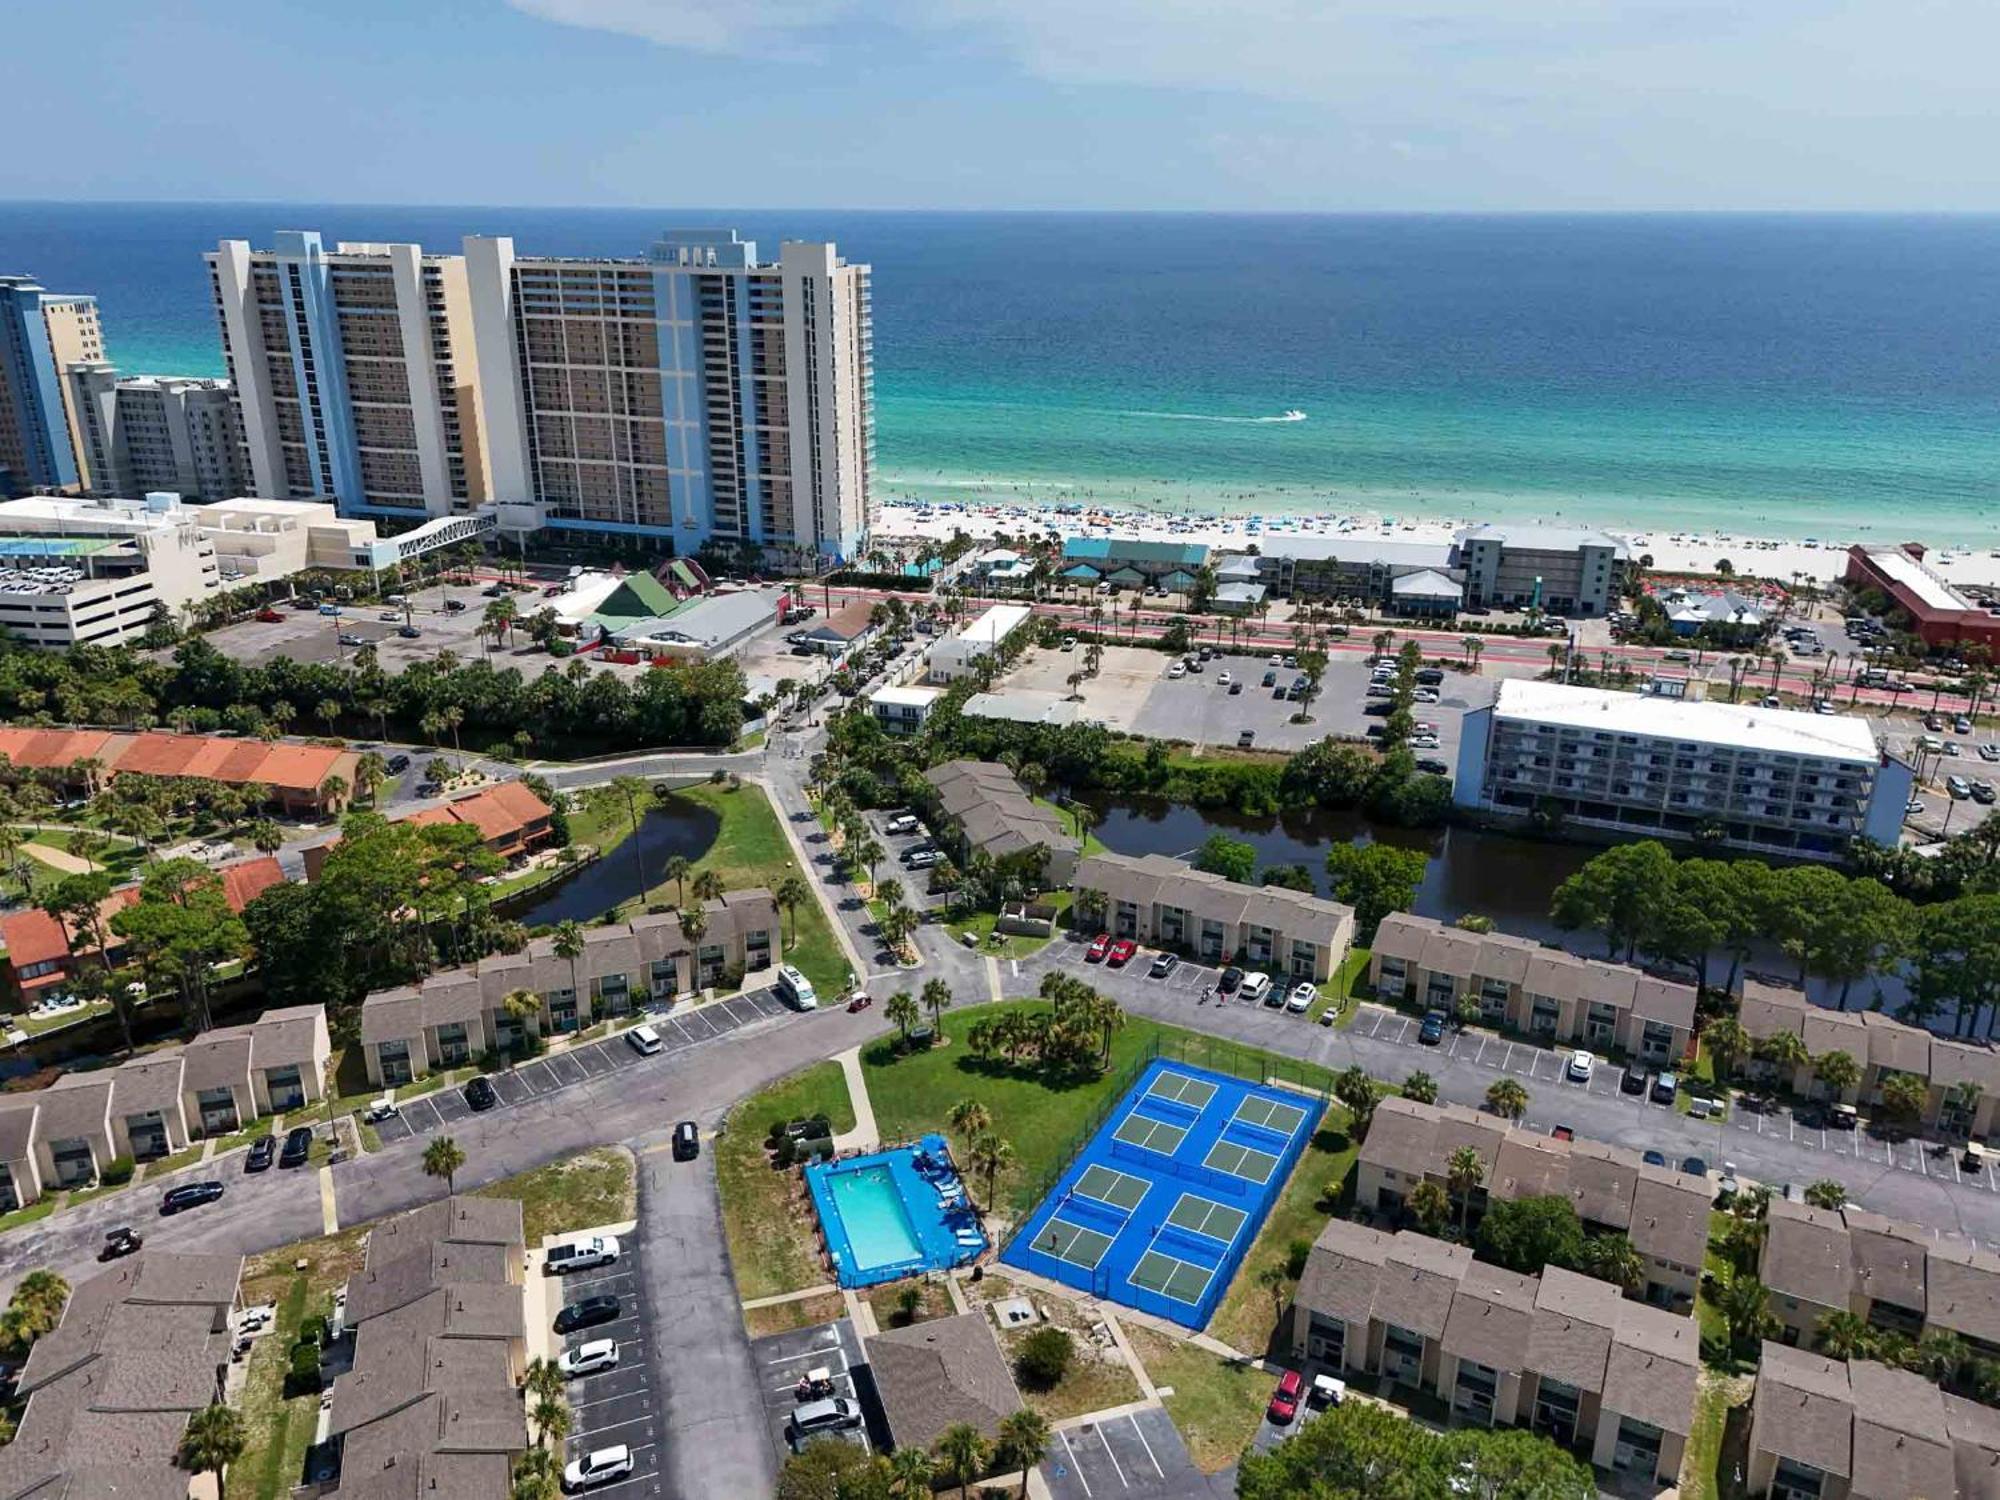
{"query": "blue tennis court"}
[(1163, 1202)]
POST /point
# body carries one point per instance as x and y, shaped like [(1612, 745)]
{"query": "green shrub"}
[(1044, 1358), (303, 1375), (313, 1330), (117, 1172), (1296, 1255)]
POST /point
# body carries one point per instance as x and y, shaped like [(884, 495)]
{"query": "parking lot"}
[(782, 1361), (616, 1406), (678, 1031), (916, 883), (1133, 692), (1134, 1456)]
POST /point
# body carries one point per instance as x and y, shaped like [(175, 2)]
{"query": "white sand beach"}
[(1672, 552)]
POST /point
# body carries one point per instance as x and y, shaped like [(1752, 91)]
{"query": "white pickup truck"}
[(584, 1255)]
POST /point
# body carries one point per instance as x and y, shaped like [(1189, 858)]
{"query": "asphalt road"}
[(1899, 1179), (712, 1404)]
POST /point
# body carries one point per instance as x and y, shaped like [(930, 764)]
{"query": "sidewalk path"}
[(864, 1136)]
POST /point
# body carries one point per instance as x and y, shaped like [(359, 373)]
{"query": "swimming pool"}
[(894, 1213), (878, 1230)]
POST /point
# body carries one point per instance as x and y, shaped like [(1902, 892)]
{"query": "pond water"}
[(595, 888), (1507, 878)]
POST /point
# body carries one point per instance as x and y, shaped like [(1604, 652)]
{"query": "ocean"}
[(1782, 376)]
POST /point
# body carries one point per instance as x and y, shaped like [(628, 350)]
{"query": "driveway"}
[(711, 1404), (781, 1359), (1900, 1179), (1135, 1456)]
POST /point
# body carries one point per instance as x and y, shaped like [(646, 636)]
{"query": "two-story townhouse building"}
[(1663, 1212), (1167, 902), (458, 1015), (1551, 995), (1562, 1354)]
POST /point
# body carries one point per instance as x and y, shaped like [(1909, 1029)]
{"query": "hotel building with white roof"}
[(1765, 780)]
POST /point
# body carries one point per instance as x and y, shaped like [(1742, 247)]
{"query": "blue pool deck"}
[(894, 1213), (1163, 1202)]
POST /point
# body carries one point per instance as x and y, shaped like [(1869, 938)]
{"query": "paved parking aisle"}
[(1138, 1456), (451, 1105), (565, 1066), (422, 1114), (784, 1358), (618, 1406), (394, 1129)]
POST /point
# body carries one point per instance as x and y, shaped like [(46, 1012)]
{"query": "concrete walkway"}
[(864, 1136)]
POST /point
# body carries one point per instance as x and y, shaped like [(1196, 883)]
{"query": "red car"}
[(1099, 946), (1121, 952), (1285, 1399)]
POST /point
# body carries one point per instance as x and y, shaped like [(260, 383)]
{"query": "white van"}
[(796, 988)]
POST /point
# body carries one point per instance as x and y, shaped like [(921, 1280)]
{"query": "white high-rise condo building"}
[(696, 395), (354, 374), (1764, 779)]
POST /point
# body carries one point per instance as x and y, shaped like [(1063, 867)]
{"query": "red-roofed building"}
[(511, 820), (294, 773), (1939, 614), (247, 879), (42, 953)]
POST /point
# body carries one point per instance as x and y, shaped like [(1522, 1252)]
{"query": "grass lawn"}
[(1096, 1378), (28, 1215), (750, 848), (784, 1317), (1342, 993), (1040, 1118), (1698, 1478), (430, 1083), (1247, 1318), (933, 1301), (279, 1430), (1092, 844), (765, 1211), (35, 1026), (598, 1187), (179, 1159), (1216, 1404), (1010, 945)]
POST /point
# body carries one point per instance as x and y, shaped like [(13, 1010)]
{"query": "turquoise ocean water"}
[(1827, 376)]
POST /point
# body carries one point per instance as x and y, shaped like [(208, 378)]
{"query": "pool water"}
[(879, 1232)]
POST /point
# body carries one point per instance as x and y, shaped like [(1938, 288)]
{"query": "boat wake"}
[(1291, 415)]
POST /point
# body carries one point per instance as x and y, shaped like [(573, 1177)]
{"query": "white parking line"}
[(1076, 1467), (637, 1391), (1482, 1049), (628, 1422), (1116, 1467), (1147, 1446)]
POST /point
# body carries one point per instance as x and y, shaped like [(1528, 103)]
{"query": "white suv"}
[(588, 1359), (600, 1467)]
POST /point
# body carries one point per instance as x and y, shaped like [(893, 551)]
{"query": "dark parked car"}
[(1230, 977), (1694, 1166), (261, 1152), (1655, 1159), (480, 1095), (1430, 765), (298, 1146), (1429, 676), (687, 1141), (1633, 1079), (189, 1195), (398, 764), (587, 1314), (1432, 1031)]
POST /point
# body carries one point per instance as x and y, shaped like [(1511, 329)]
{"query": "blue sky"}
[(1236, 104)]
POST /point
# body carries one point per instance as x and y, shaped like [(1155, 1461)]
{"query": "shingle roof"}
[(1342, 1270), (1491, 1316), (1964, 1290), (1419, 1274), (1402, 1137), (1901, 1446), (1570, 1338), (1767, 1009), (1975, 1442), (1670, 1216), (934, 1375), (1807, 1254), (1654, 1366), (1804, 1409), (1889, 1259), (17, 1127), (1894, 1044)]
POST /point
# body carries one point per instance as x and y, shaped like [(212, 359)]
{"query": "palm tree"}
[(937, 1000), (789, 893), (632, 790), (42, 1295), (545, 1378), (1024, 1438), (910, 1474), (707, 886), (266, 837), (1726, 1041), (1743, 1301), (1272, 1278), (676, 870), (369, 773), (212, 1441), (567, 941), (537, 1476), (443, 1158), (970, 1119), (1610, 1257), (963, 1452), (524, 1006), (1826, 1193), (1937, 1355), (867, 853), (1840, 1334), (552, 1420), (1785, 1051), (987, 1154), (1429, 1205), (903, 1013), (889, 891), (378, 710), (1421, 1087), (332, 792), (1507, 1099), (1837, 1072), (1464, 1170)]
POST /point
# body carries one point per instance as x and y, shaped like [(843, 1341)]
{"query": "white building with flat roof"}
[(160, 538), (957, 655), (1768, 780), (903, 710), (1562, 569)]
